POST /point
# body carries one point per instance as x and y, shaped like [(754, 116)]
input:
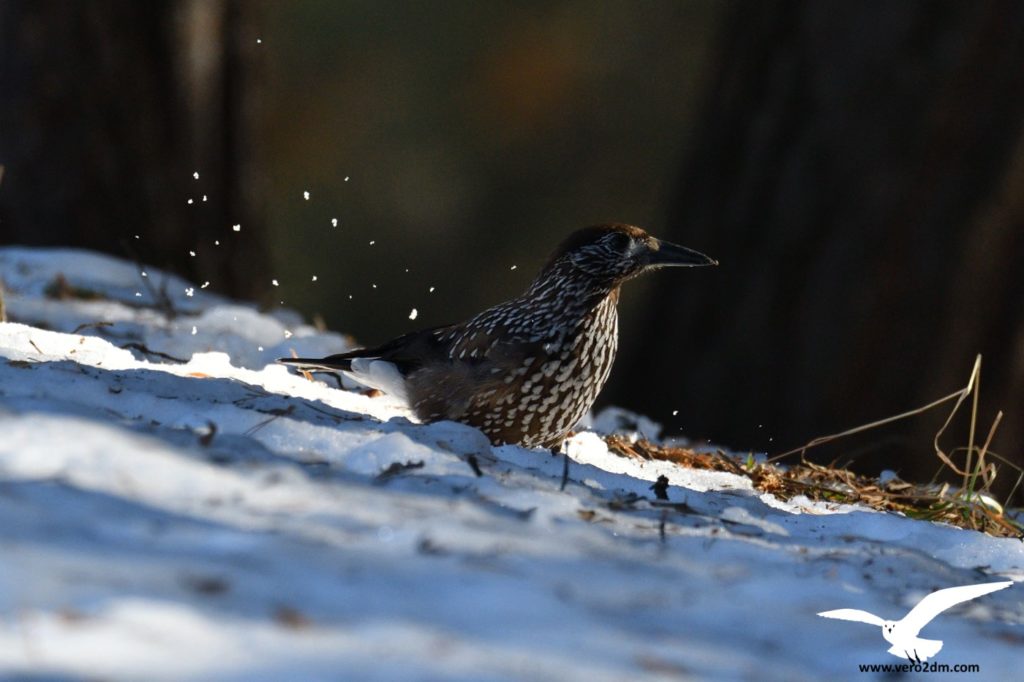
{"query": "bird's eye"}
[(620, 241)]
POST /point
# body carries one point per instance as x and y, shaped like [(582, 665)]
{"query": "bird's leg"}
[(564, 449), (565, 468)]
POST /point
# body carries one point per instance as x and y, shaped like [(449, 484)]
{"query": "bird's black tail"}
[(332, 363), (406, 353)]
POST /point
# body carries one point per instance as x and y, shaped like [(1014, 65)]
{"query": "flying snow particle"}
[(274, 282), (196, 175), (194, 330), (204, 197), (305, 195), (513, 267), (189, 202), (190, 291), (675, 413), (144, 273), (431, 290), (259, 348), (346, 178), (314, 278), (413, 313), (205, 284), (236, 228), (192, 253), (287, 334), (136, 236), (334, 222), (138, 294), (372, 242), (216, 242), (374, 286), (259, 41)]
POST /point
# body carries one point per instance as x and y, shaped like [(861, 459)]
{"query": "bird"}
[(902, 634), (525, 371)]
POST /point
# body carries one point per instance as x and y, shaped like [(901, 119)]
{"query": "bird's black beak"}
[(666, 254)]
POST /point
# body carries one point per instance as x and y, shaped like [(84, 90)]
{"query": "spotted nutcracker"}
[(527, 370)]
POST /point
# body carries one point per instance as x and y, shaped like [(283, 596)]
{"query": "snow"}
[(220, 518)]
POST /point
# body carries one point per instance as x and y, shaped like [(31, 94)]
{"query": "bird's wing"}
[(406, 352), (940, 600), (855, 615)]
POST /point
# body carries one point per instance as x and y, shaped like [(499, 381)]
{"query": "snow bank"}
[(220, 518)]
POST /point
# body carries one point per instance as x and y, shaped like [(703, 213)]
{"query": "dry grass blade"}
[(306, 373), (1016, 485), (821, 440), (971, 384), (987, 472)]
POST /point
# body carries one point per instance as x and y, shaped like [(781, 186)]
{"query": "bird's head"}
[(619, 252)]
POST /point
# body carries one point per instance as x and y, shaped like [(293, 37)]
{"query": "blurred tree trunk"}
[(859, 172), (108, 110)]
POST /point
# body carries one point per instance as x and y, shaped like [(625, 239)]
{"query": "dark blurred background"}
[(858, 168)]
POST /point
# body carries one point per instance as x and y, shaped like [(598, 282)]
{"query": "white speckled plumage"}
[(527, 370)]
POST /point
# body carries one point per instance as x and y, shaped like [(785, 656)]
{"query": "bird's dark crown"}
[(603, 250)]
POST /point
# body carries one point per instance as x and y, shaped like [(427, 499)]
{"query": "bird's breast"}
[(527, 385), (543, 397)]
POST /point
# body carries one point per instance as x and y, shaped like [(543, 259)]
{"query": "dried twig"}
[(396, 468), (91, 325), (142, 348), (161, 299)]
